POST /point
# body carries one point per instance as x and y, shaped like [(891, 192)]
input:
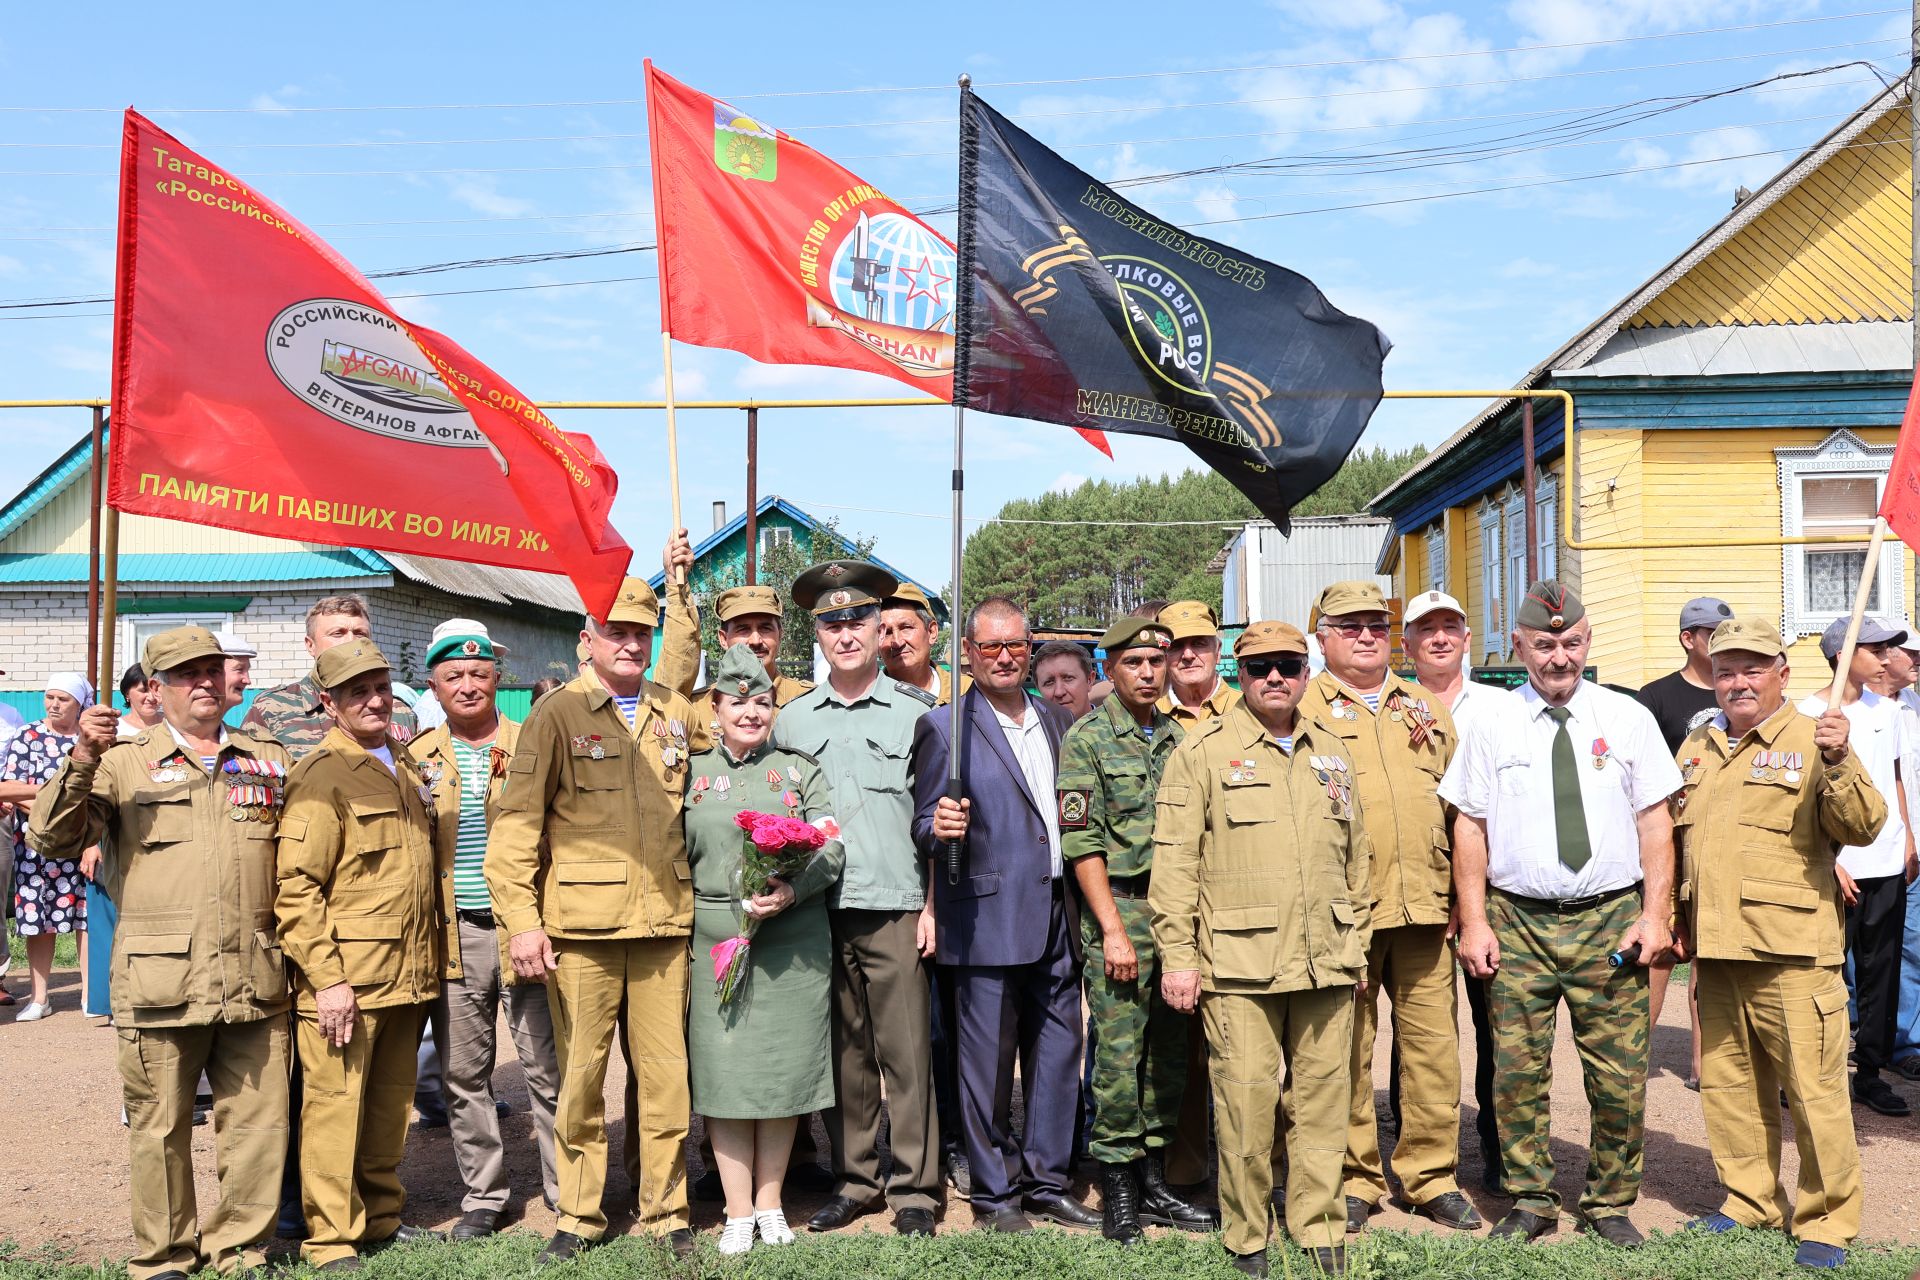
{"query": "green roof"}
[(223, 568)]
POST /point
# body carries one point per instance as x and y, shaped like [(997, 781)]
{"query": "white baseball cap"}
[(1427, 602)]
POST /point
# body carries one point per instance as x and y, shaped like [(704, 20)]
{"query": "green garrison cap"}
[(842, 589), (343, 662), (1549, 606), (741, 674), (1136, 633)]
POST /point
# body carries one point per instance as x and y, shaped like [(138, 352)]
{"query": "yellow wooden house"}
[(1752, 388)]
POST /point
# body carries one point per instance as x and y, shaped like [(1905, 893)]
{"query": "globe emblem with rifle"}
[(891, 269)]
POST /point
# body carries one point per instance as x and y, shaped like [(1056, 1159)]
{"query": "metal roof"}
[(222, 569), (1719, 349), (488, 582)]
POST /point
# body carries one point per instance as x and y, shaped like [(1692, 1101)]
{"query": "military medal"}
[(669, 757), (1795, 762), (793, 774), (722, 785), (677, 729), (791, 800), (597, 752), (1600, 753), (699, 788)]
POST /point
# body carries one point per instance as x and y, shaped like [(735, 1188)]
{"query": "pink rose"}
[(744, 819), (769, 839), (723, 953)]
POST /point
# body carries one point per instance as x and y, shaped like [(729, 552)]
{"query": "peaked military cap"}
[(636, 603), (1549, 606), (1136, 633), (839, 590), (741, 674), (1188, 619), (170, 649), (741, 602), (343, 662), (1746, 635)]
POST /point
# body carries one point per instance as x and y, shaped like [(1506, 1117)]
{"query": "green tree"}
[(778, 566)]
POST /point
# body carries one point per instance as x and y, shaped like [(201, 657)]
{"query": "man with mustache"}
[(908, 632), (1770, 793), (1563, 854)]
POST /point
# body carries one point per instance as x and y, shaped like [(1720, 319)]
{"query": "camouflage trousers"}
[(1547, 956), (1140, 1046)]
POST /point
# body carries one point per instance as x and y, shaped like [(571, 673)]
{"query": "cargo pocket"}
[(373, 830), (1243, 943), (158, 967), (1780, 919), (161, 819), (269, 968), (606, 771), (1346, 936), (589, 895), (369, 948), (1831, 1008)]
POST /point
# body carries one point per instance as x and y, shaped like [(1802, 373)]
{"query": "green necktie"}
[(1569, 816)]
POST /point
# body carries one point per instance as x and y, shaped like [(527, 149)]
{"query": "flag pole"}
[(962, 317), (673, 445), (1860, 598), (666, 313)]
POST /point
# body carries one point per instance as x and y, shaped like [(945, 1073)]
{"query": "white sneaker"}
[(737, 1236), (773, 1226), (34, 1011)]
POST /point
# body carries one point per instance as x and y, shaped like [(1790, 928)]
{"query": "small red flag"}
[(260, 383), (1900, 500), (770, 249)]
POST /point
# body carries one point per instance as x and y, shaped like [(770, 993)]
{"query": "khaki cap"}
[(343, 662), (739, 602), (1135, 633), (1354, 596), (636, 603), (1746, 635), (581, 653), (1269, 637), (1188, 619), (169, 649), (909, 595)]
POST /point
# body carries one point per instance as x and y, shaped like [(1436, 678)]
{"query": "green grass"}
[(1057, 1255), (66, 952)]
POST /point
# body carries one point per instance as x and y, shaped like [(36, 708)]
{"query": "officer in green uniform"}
[(1261, 898), (1110, 767)]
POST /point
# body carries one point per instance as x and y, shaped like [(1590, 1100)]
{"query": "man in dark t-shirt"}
[(1683, 700)]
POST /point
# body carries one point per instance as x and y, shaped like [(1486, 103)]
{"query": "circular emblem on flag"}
[(354, 363), (1164, 316)]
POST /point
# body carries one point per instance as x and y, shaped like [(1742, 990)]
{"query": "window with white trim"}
[(1833, 489), (1437, 555), (1546, 510), (1515, 516), (772, 536), (1491, 614), (137, 628)]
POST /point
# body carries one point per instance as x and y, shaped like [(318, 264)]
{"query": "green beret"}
[(1549, 606), (741, 674), (1136, 633)]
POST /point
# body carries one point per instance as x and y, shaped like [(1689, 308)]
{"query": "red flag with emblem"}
[(260, 383)]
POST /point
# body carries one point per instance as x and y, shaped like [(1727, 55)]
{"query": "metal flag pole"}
[(962, 317)]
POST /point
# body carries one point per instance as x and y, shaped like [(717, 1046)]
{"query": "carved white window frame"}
[(1492, 574), (1437, 555), (1546, 506), (1841, 454)]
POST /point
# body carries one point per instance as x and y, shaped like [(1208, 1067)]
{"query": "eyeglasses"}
[(994, 648), (1352, 630), (1258, 668)]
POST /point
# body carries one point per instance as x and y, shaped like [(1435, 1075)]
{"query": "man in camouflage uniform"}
[(1563, 858), (292, 714), (1110, 767)]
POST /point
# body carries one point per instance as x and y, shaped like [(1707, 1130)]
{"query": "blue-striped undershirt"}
[(470, 850), (629, 707)]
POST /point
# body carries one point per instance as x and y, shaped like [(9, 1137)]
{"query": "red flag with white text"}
[(261, 383)]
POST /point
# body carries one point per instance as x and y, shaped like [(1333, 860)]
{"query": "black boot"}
[(1160, 1206), (1119, 1203)]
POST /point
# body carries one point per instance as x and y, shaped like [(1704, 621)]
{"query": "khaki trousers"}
[(246, 1062), (466, 1029), (646, 978), (353, 1128), (881, 1007), (1412, 965), (1763, 1028), (1252, 1040)]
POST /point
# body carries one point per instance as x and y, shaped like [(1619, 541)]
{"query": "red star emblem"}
[(925, 271)]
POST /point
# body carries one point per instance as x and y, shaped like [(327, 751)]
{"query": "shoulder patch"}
[(915, 691), (1073, 809), (808, 756)]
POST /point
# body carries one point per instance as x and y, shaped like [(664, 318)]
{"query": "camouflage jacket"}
[(1109, 771), (293, 717)]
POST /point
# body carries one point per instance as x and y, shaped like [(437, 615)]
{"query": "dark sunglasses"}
[(994, 648), (1257, 668), (1351, 630)]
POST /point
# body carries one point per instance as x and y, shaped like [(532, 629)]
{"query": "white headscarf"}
[(74, 685)]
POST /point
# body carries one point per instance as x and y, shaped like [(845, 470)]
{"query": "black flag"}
[(1086, 311)]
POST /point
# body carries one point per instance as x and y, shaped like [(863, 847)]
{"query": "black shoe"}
[(1615, 1230), (339, 1266), (1061, 1210), (432, 1119), (1160, 1206), (1876, 1093), (1252, 1264), (807, 1176), (707, 1186), (1331, 1259), (837, 1213), (1119, 1204), (1451, 1209), (680, 1240), (913, 1222), (959, 1173), (563, 1246), (406, 1233), (1528, 1226), (1357, 1211), (1909, 1067), (1007, 1222), (168, 1275), (201, 1115), (476, 1224)]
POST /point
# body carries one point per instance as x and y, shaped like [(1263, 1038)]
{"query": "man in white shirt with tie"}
[(1563, 855)]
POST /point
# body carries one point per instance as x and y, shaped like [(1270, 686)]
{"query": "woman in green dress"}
[(759, 1061)]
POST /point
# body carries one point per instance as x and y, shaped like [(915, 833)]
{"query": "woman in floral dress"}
[(49, 894)]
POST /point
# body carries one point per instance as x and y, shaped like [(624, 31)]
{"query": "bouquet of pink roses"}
[(771, 845)]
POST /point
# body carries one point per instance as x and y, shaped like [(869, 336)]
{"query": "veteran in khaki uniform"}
[(1770, 797), (749, 615), (1400, 739), (1111, 763), (360, 916), (186, 814), (908, 633), (1260, 896), (587, 866)]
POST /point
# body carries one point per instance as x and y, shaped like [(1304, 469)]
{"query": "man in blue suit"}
[(1008, 929)]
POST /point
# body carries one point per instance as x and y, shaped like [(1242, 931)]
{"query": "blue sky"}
[(511, 129)]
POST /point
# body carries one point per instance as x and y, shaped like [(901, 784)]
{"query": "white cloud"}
[(1529, 269), (482, 195), (276, 100), (1066, 482)]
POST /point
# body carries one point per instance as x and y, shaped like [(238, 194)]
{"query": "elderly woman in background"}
[(49, 897), (758, 1061)]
